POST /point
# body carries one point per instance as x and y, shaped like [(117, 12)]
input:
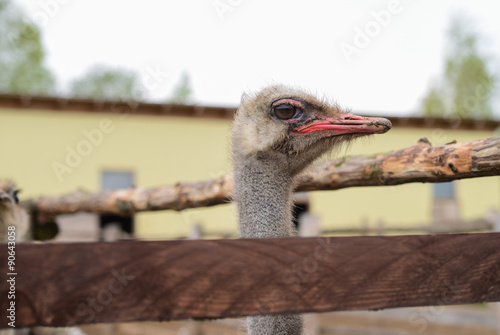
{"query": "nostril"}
[(350, 117)]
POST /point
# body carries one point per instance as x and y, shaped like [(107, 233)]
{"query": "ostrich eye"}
[(285, 111)]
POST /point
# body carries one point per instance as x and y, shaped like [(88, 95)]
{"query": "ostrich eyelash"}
[(291, 101)]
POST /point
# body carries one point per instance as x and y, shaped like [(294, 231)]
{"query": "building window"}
[(446, 211), (444, 190), (115, 227), (114, 180)]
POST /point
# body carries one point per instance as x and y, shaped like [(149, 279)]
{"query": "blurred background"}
[(374, 56), (107, 95)]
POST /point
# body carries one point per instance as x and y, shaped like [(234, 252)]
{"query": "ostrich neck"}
[(264, 197)]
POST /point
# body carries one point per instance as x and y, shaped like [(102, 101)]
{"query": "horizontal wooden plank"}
[(65, 284)]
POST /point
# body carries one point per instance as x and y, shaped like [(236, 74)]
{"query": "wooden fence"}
[(76, 283), (61, 284)]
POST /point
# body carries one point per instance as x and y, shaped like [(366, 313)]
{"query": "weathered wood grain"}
[(65, 284), (419, 163)]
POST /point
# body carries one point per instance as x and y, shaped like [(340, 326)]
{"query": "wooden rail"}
[(77, 283), (419, 163)]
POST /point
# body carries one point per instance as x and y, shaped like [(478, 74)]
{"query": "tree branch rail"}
[(418, 163)]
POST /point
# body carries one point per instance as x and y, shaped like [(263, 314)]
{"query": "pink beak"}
[(346, 124)]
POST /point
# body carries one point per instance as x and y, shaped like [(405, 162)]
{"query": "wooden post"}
[(193, 327), (380, 230), (111, 232), (496, 228), (196, 232), (309, 227)]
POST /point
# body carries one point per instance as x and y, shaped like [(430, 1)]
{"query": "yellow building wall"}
[(159, 150), (165, 150)]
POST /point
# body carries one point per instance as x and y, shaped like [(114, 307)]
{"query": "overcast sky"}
[(371, 56)]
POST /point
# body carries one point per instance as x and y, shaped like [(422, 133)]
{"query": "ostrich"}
[(13, 215), (277, 133)]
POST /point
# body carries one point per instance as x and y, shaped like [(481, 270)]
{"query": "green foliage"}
[(433, 104), (182, 91), (22, 69), (102, 82), (472, 85), (467, 84)]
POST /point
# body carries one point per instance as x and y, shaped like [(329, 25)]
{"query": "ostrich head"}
[(293, 128), (11, 213), (8, 194)]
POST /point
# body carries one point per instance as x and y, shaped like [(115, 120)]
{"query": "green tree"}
[(22, 69), (182, 91), (433, 103), (467, 83), (102, 82)]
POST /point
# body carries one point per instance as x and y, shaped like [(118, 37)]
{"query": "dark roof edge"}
[(143, 108)]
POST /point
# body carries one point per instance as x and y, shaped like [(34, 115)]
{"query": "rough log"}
[(418, 163), (61, 284)]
